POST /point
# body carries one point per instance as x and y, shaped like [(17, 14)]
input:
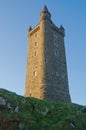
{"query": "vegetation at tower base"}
[(19, 113)]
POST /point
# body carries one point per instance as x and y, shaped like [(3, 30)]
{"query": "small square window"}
[(35, 34), (57, 74), (36, 43)]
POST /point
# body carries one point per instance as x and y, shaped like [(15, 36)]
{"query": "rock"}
[(83, 109), (46, 111), (11, 110), (16, 109), (23, 101), (8, 105), (2, 101), (21, 126), (33, 107), (73, 125)]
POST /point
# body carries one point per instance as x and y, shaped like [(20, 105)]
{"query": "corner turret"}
[(30, 28), (62, 30)]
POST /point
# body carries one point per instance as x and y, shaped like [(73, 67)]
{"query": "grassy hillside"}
[(19, 113)]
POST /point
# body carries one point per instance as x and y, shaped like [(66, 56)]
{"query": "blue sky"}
[(15, 18)]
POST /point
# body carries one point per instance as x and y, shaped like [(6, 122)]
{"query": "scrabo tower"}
[(46, 74)]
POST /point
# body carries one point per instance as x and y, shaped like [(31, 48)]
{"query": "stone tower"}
[(46, 73)]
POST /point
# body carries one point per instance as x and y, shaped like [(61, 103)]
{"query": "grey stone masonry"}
[(46, 72)]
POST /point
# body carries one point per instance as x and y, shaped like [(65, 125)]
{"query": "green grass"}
[(61, 116)]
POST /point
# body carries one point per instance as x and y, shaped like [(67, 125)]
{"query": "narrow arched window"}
[(35, 53), (34, 73)]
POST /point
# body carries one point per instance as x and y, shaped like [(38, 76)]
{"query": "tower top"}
[(45, 9), (45, 13)]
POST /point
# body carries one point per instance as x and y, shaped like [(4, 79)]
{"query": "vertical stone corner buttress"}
[(46, 71)]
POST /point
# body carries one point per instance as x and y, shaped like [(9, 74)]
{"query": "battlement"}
[(34, 30)]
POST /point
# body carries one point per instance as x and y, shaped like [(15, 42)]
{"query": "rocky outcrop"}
[(19, 113)]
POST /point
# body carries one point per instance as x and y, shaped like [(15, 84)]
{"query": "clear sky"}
[(15, 18)]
